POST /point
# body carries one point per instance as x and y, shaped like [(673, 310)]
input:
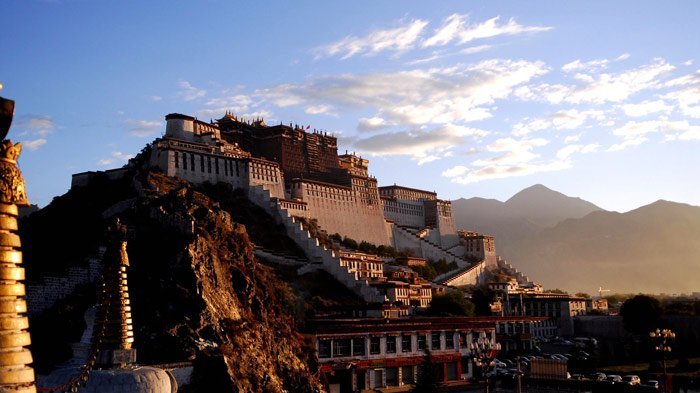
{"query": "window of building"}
[(192, 162), (177, 160), (407, 375), (392, 376), (358, 346), (406, 343), (374, 345), (324, 348), (449, 340), (341, 347), (216, 165), (435, 341), (390, 344), (451, 371), (201, 163), (184, 160)]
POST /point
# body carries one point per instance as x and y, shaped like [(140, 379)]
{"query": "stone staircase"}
[(513, 272), (319, 257), (470, 275), (434, 251)]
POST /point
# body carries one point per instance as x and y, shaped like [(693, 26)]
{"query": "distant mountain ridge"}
[(522, 216), (655, 248)]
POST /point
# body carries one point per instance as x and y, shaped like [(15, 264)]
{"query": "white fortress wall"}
[(338, 209), (195, 165), (404, 212)]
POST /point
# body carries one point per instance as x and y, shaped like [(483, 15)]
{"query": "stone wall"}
[(43, 294)]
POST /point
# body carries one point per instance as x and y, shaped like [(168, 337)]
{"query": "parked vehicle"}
[(597, 377), (631, 380), (613, 379), (652, 383)]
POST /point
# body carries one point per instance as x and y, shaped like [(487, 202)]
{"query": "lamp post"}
[(483, 351), (662, 343)]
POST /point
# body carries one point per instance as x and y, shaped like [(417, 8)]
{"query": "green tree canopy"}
[(451, 303)]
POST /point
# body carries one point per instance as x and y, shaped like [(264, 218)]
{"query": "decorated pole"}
[(15, 374)]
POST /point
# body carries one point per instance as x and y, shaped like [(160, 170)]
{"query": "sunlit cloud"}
[(635, 133), (461, 93), (455, 28), (514, 157), (115, 157), (397, 39), (190, 93), (421, 146), (34, 144), (319, 109), (687, 94), (600, 88), (646, 107), (144, 128), (372, 123)]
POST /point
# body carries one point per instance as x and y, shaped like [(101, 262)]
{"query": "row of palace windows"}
[(356, 346), (206, 166)]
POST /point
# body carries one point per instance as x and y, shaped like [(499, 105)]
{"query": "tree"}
[(583, 294), (482, 297), (427, 380), (451, 303), (641, 314)]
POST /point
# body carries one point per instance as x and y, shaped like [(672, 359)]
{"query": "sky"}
[(595, 99)]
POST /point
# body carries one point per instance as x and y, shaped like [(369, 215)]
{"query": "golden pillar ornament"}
[(15, 374)]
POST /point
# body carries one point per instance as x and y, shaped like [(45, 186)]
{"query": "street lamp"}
[(662, 343), (483, 351)]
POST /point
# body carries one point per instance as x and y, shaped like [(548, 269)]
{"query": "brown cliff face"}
[(199, 294)]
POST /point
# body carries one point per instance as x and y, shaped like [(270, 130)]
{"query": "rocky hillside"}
[(198, 292)]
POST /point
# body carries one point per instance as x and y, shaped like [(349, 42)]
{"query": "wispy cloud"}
[(115, 157), (372, 123), (144, 128), (456, 28), (34, 130), (635, 133), (397, 39), (188, 92), (411, 34), (601, 88), (645, 108), (514, 158), (460, 93), (421, 146)]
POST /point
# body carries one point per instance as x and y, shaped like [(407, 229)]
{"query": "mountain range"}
[(569, 243)]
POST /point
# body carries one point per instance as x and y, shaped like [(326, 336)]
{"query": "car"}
[(597, 377), (652, 383), (613, 379), (631, 380)]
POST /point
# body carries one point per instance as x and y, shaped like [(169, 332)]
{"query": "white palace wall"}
[(338, 209)]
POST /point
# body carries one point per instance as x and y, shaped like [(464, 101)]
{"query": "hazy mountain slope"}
[(545, 207), (522, 216), (655, 248)]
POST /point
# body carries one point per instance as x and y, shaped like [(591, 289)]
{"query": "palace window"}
[(435, 341), (406, 343), (208, 164), (184, 161), (358, 346), (341, 347), (192, 162), (177, 160), (449, 340), (374, 345), (201, 163), (324, 348), (390, 344), (216, 165)]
